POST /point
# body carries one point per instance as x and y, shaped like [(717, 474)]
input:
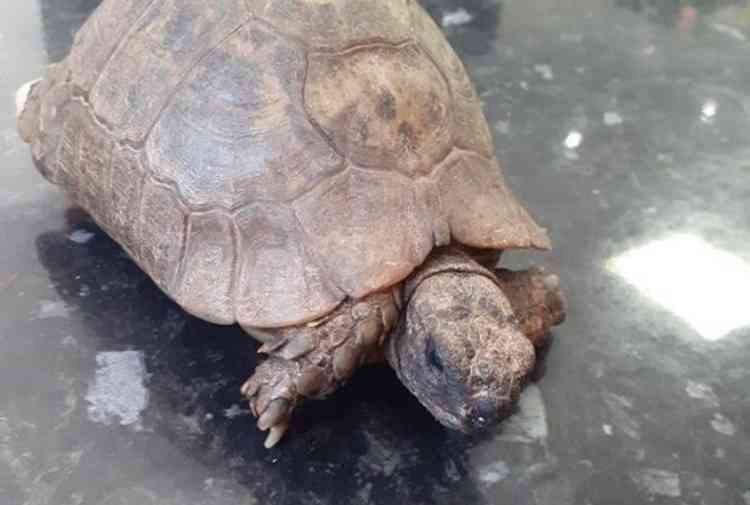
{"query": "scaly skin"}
[(313, 360)]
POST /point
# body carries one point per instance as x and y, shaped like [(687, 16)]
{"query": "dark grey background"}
[(109, 394)]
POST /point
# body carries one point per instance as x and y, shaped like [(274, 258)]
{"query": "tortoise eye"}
[(433, 356)]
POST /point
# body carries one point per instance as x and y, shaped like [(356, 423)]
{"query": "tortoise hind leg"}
[(315, 359)]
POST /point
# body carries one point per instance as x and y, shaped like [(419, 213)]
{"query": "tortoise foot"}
[(273, 395)]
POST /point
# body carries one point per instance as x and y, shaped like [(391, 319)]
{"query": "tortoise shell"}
[(263, 160)]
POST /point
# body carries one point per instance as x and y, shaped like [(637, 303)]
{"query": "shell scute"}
[(366, 227), (480, 209), (336, 24), (161, 233), (168, 40), (279, 283), (234, 135), (204, 284)]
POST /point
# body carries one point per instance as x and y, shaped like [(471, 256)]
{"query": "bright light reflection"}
[(705, 286)]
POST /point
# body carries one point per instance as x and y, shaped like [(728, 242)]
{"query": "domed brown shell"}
[(262, 160)]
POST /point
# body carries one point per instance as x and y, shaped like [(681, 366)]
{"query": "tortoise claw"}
[(272, 395), (276, 434), (276, 413), (250, 387)]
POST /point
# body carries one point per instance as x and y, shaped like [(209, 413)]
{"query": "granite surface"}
[(624, 125)]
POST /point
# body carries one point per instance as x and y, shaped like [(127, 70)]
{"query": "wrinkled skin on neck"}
[(458, 349)]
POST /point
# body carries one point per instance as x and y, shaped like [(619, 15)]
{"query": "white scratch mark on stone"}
[(702, 392), (658, 482), (723, 425), (81, 236), (493, 473), (49, 309), (119, 389), (729, 31), (607, 429), (529, 424), (451, 471), (709, 109), (383, 457), (457, 17), (665, 158), (502, 127), (573, 140), (192, 423), (364, 494), (235, 411), (620, 407), (612, 118), (544, 71), (69, 341)]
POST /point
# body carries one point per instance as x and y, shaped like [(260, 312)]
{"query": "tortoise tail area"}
[(27, 109)]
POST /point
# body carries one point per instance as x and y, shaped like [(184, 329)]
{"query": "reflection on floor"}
[(694, 280)]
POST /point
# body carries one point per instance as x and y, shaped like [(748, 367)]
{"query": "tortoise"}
[(319, 172)]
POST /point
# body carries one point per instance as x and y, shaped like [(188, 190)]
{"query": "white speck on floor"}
[(620, 408), (451, 471), (612, 118), (720, 453), (494, 472), (364, 494), (658, 482), (573, 140), (529, 424), (81, 236), (544, 71), (49, 309), (703, 392), (709, 110), (729, 31), (69, 341), (665, 158), (607, 428), (723, 425), (192, 423), (457, 17), (383, 455), (502, 127), (119, 390), (235, 411)]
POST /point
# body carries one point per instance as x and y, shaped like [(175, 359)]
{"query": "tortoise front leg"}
[(315, 359), (536, 299)]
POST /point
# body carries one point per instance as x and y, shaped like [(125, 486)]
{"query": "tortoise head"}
[(457, 348)]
